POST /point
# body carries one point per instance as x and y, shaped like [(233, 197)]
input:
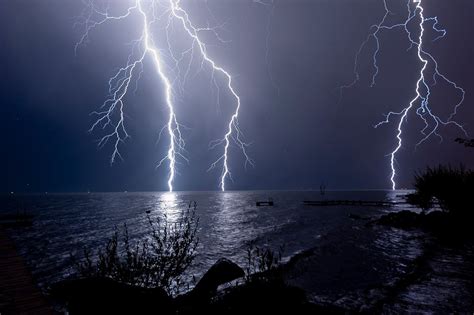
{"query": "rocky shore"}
[(264, 292), (300, 285)]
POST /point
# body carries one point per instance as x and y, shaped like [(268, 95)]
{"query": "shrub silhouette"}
[(158, 260), (450, 187), (263, 264)]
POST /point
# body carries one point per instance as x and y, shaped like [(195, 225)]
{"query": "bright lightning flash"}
[(234, 132), (112, 113), (432, 122)]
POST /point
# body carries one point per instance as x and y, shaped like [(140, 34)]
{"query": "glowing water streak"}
[(423, 91), (119, 87), (179, 13)]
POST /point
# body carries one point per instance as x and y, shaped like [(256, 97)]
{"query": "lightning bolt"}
[(233, 132), (270, 6), (112, 115), (421, 101), (112, 110)]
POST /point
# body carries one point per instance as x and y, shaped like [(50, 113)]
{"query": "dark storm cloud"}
[(300, 136)]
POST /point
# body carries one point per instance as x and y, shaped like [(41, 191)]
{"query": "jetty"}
[(18, 292), (365, 203)]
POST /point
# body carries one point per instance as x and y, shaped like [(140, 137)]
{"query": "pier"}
[(18, 292), (365, 203)]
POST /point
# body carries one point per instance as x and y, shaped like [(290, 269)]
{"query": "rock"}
[(266, 296), (221, 272), (106, 296), (434, 221), (197, 301), (404, 219)]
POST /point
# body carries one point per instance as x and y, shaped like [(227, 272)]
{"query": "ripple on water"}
[(351, 265)]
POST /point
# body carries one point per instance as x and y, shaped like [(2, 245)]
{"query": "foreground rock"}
[(261, 293), (264, 293), (221, 272), (106, 296), (267, 296)]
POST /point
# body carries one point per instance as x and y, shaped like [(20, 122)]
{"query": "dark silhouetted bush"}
[(449, 187), (263, 264), (159, 260)]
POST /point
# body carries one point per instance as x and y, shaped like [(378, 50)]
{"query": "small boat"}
[(269, 203)]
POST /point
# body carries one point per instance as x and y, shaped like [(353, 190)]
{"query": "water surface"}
[(354, 267)]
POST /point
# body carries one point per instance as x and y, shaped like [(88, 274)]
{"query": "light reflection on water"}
[(167, 204), (168, 199), (65, 224)]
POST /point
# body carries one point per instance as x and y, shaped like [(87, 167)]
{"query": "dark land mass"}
[(18, 292)]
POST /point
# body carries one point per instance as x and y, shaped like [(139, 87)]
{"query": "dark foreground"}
[(18, 293), (293, 288), (427, 283), (263, 293)]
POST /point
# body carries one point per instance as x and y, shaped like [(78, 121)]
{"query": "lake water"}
[(356, 265)]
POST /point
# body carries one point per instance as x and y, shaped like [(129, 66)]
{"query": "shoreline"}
[(335, 276)]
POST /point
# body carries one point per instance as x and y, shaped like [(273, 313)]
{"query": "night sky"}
[(300, 134)]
